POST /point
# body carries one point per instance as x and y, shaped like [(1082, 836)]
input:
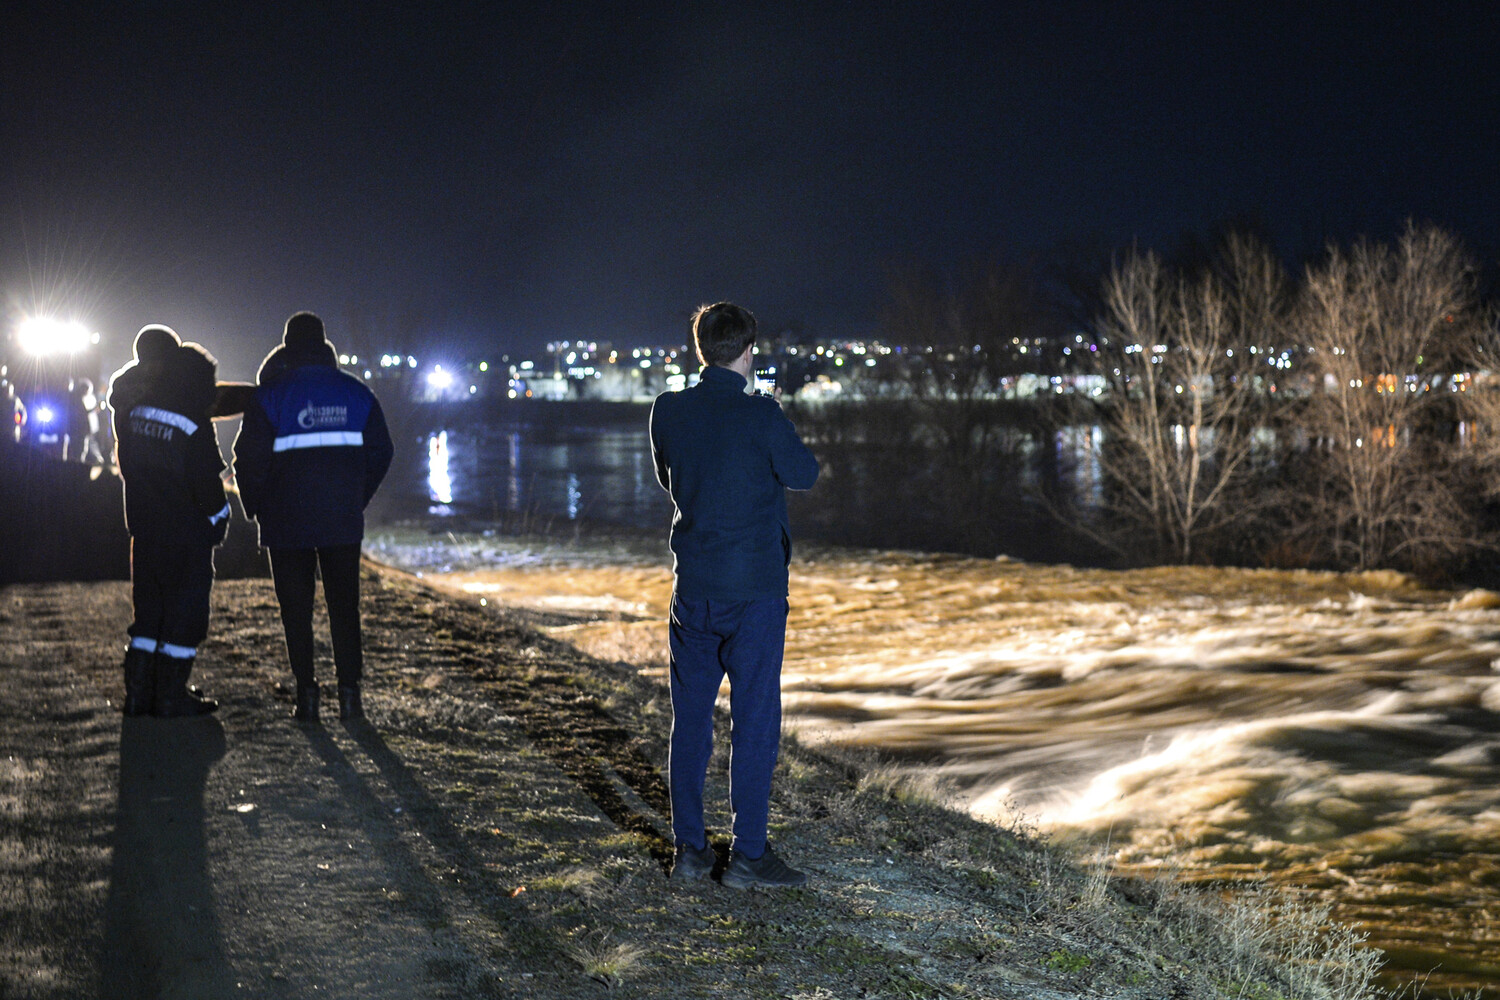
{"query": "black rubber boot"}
[(174, 699), (307, 703), (140, 682), (349, 702)]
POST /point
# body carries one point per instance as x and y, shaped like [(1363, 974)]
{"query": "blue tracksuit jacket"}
[(727, 459)]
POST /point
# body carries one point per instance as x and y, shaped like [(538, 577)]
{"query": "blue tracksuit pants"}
[(710, 640)]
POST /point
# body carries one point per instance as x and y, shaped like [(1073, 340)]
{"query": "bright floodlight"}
[(439, 379), (41, 336)]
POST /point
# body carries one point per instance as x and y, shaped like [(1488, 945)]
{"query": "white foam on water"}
[(1338, 729)]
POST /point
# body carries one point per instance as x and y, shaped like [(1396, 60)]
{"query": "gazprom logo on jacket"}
[(311, 417)]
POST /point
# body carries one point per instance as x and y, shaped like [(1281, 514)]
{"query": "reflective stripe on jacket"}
[(312, 449)]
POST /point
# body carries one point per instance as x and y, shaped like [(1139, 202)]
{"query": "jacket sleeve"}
[(794, 465), (658, 454), (231, 399), (252, 457), (378, 450), (205, 483)]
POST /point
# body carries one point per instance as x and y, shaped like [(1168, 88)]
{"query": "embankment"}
[(498, 828)]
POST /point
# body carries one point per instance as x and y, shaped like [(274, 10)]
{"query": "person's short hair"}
[(721, 332)]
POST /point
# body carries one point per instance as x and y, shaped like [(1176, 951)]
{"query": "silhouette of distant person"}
[(84, 429), (16, 411), (176, 512), (727, 458), (312, 450)]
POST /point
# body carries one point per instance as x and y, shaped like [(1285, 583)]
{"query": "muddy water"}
[(1337, 734)]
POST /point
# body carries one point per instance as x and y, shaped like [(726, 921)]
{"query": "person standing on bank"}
[(311, 452), (727, 458), (176, 513)]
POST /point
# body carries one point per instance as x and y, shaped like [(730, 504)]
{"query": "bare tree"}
[(1387, 326), (1180, 404)]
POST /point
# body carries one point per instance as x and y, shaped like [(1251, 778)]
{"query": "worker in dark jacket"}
[(312, 450), (727, 458), (176, 512)]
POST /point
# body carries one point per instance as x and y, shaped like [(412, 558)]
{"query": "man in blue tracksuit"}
[(312, 450), (727, 458)]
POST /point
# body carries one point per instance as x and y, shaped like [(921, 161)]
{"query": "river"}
[(1338, 735)]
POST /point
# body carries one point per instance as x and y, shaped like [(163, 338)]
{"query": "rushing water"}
[(1337, 734)]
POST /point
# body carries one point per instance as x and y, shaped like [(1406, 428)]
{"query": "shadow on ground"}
[(161, 933)]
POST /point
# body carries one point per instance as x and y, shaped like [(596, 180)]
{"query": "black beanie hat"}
[(303, 330), (155, 342)]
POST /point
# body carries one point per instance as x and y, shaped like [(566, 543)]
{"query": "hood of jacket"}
[(284, 359)]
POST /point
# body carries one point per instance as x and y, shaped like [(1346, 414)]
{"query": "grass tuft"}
[(605, 962), (586, 882)]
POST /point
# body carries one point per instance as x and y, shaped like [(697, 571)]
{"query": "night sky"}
[(487, 177)]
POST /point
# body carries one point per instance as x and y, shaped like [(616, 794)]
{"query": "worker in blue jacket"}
[(311, 452), (176, 512), (727, 457)]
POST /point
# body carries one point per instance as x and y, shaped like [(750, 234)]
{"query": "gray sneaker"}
[(767, 870), (689, 864)]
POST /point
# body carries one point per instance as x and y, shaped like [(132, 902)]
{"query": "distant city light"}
[(484, 366)]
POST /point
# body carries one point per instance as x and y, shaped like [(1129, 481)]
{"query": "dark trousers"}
[(710, 640), (294, 572), (170, 588)]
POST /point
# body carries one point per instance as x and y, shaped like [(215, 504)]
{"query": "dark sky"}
[(491, 176)]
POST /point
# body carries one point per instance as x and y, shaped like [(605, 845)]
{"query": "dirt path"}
[(237, 855)]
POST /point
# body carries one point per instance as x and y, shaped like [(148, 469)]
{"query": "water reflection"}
[(513, 471), (1078, 449), (532, 474), (439, 481), (575, 497), (527, 476)]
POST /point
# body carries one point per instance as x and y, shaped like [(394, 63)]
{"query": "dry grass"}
[(606, 962), (1145, 938), (588, 883)]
